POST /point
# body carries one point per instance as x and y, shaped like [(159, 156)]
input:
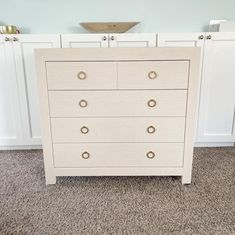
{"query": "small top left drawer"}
[(81, 75)]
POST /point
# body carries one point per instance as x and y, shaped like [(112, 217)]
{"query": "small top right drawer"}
[(153, 75)]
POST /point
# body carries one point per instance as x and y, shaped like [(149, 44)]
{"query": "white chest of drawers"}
[(119, 111)]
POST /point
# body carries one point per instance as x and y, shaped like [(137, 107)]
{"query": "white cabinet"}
[(132, 40), (10, 115), (108, 40), (19, 115), (217, 96), (19, 121), (84, 40), (216, 119), (182, 40)]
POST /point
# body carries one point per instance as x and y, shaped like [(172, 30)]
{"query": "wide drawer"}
[(117, 103), (81, 75), (153, 75), (119, 155), (160, 129)]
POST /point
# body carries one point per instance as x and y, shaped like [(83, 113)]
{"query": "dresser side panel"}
[(45, 120), (191, 116)]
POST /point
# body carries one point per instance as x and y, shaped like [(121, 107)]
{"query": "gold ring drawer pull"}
[(84, 130), (152, 103), (151, 129), (82, 75), (83, 103), (152, 75), (150, 155), (85, 155)]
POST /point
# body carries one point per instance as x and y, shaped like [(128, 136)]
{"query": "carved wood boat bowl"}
[(108, 27)]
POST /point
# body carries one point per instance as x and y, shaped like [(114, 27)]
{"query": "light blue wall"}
[(63, 16)]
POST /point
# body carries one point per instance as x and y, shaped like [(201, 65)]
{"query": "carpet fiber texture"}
[(117, 205)]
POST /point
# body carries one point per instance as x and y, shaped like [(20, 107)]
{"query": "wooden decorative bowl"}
[(108, 27)]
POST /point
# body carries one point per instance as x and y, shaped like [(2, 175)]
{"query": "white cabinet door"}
[(216, 119), (23, 49), (180, 39), (84, 40), (10, 111), (133, 40), (184, 40)]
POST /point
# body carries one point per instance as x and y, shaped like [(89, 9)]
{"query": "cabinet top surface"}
[(105, 54)]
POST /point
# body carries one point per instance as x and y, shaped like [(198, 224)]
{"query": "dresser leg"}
[(186, 179), (50, 179)]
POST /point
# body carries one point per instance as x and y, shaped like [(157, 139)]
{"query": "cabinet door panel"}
[(180, 40), (216, 119), (132, 40), (10, 116), (185, 40), (84, 40), (26, 75)]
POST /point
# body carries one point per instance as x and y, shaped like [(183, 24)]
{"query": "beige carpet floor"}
[(117, 205)]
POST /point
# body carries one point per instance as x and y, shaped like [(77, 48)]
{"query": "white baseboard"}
[(214, 144), (21, 147)]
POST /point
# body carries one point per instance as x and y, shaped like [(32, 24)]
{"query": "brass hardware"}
[(152, 75), (209, 37), (104, 38), (7, 39), (83, 103), (112, 38), (84, 130), (150, 155), (151, 129), (201, 37), (85, 155), (15, 39), (82, 75), (152, 103)]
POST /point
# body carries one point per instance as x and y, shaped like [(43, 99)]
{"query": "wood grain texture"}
[(45, 122), (169, 75), (183, 63), (191, 118), (119, 155), (117, 54), (68, 130), (118, 103), (65, 75)]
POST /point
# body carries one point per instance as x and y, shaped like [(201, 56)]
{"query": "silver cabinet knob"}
[(85, 155), (15, 39), (209, 37), (104, 38), (151, 129), (7, 39), (150, 155), (152, 103), (84, 130), (112, 38), (82, 75), (201, 37), (152, 75), (83, 103)]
